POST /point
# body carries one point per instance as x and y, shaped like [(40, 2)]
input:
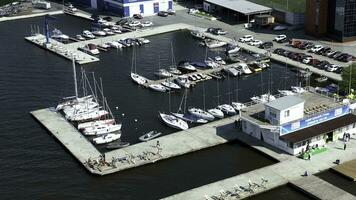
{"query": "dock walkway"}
[(175, 144), (57, 12)]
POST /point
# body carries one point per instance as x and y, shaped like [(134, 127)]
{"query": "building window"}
[(286, 113)]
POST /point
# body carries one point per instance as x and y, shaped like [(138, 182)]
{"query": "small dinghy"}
[(117, 145), (149, 136)]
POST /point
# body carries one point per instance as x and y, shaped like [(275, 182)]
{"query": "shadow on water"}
[(284, 192), (338, 180)]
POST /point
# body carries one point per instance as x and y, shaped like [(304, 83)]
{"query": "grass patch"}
[(296, 6), (313, 152)]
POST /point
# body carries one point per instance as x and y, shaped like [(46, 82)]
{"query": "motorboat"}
[(93, 115), (114, 44), (147, 24), (104, 46), (244, 68), (171, 85), (80, 37), (227, 109), (70, 9), (88, 34), (138, 79), (144, 40), (99, 33), (232, 48), (211, 64), (217, 113), (183, 81), (214, 44), (95, 123), (163, 73), (200, 64), (58, 35), (192, 78), (158, 87), (254, 67), (232, 71), (238, 106), (263, 98), (219, 60), (107, 138), (69, 101), (108, 31), (102, 129), (321, 79), (117, 145), (190, 118), (173, 121), (198, 34), (91, 49), (149, 136), (134, 23), (286, 92), (298, 90), (116, 30), (201, 114), (186, 66), (174, 71)]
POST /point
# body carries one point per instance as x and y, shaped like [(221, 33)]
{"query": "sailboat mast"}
[(203, 95), (217, 89), (75, 78), (95, 90), (102, 92)]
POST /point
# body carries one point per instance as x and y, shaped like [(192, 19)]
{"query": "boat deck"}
[(175, 144), (348, 169)]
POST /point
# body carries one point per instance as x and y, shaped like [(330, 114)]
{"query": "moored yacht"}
[(101, 129), (90, 49), (244, 68), (138, 79), (201, 114), (217, 113), (171, 85), (95, 123), (238, 106), (227, 109), (158, 87), (58, 35), (163, 73), (173, 121), (186, 66), (106, 138), (183, 81), (286, 92), (88, 34)]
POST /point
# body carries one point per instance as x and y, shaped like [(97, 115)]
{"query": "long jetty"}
[(175, 144)]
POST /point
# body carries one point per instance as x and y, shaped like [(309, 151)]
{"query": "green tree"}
[(349, 73)]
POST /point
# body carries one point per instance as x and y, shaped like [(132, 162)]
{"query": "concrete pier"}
[(175, 144), (3, 19)]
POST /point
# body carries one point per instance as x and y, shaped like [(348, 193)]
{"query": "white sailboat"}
[(171, 85), (183, 81), (101, 129), (216, 112), (227, 109), (95, 123), (107, 138), (286, 92), (134, 76), (201, 113), (173, 121), (237, 105), (158, 87)]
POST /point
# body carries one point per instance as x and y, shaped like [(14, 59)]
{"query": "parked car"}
[(333, 68), (316, 48), (307, 60), (137, 16), (323, 65), (219, 31), (280, 38), (266, 45), (330, 53), (339, 70), (171, 12), (134, 23), (295, 43), (314, 62), (255, 42), (162, 13), (321, 51), (246, 38), (336, 54)]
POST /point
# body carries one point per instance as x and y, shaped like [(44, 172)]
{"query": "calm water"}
[(285, 192), (35, 166), (339, 181)]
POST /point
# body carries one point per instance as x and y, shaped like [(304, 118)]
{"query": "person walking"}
[(309, 156), (344, 146)]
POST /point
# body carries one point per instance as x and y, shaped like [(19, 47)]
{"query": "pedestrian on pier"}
[(309, 156), (157, 144), (344, 146)]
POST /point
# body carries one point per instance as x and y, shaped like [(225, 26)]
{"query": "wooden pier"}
[(347, 169), (175, 144)]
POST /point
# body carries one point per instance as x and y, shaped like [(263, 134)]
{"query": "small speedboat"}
[(149, 136), (143, 40), (186, 66), (117, 145), (227, 109), (101, 129), (198, 34), (174, 71), (58, 35), (104, 46), (244, 68), (80, 37), (219, 60), (183, 81), (108, 31), (232, 48), (232, 71), (88, 34), (147, 24), (190, 118), (173, 121), (171, 85), (158, 88), (201, 113), (217, 113), (138, 79), (99, 33), (298, 90), (114, 44), (238, 106), (107, 138)]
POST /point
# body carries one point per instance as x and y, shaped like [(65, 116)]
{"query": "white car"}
[(246, 38), (316, 48), (192, 11), (307, 60), (280, 38), (147, 24), (332, 68), (255, 42), (134, 23)]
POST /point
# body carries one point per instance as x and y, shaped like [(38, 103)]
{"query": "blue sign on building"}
[(294, 126)]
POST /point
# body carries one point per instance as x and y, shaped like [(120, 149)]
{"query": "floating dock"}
[(175, 144), (347, 169), (3, 19)]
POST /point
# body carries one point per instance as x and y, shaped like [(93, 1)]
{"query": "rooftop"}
[(241, 6), (285, 102)]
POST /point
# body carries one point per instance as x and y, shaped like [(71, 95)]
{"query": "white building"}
[(292, 123)]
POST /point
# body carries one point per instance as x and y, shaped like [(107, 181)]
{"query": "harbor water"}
[(35, 166)]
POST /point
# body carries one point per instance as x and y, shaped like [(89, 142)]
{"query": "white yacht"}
[(217, 113), (102, 129), (138, 79), (298, 90), (174, 71), (158, 88), (69, 101), (116, 30), (171, 85), (215, 44), (80, 37), (185, 66), (238, 106), (99, 33), (227, 109), (58, 35), (88, 34), (232, 48), (143, 40), (198, 34), (174, 122), (201, 114), (80, 107), (183, 81), (190, 118), (163, 73), (244, 68), (90, 49), (107, 138), (263, 98), (114, 44), (93, 115), (95, 123), (286, 92), (108, 31), (232, 71)]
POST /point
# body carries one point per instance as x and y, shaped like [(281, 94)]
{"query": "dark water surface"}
[(35, 166), (339, 181), (285, 192)]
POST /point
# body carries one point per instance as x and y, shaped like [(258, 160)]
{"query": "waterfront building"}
[(333, 18), (298, 122), (127, 8)]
